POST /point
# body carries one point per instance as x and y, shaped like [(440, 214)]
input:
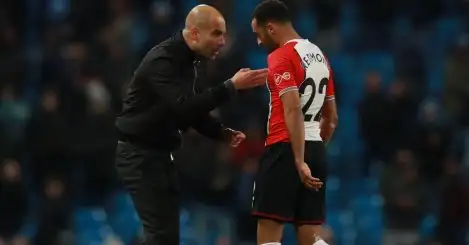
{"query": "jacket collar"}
[(185, 50)]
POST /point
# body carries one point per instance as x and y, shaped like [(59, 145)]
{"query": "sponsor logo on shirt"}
[(279, 78)]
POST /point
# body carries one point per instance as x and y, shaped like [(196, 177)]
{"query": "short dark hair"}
[(272, 10)]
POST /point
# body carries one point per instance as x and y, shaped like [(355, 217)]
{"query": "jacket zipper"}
[(194, 81)]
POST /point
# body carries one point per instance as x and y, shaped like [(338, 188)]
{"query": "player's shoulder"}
[(306, 46), (293, 48), (284, 52)]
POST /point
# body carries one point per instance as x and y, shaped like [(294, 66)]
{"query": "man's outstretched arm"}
[(210, 127)]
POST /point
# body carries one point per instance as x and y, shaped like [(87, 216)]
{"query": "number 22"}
[(310, 82)]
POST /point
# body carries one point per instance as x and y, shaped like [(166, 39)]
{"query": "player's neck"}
[(289, 35)]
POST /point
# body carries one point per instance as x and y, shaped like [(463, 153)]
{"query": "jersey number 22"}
[(309, 82)]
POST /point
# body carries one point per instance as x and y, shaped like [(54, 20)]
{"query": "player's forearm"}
[(327, 127), (295, 125), (329, 120)]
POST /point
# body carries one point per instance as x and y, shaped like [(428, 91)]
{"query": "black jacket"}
[(164, 98)]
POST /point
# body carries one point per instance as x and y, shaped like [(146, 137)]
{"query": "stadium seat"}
[(187, 5), (90, 226), (382, 62), (447, 30), (428, 226), (347, 77), (289, 236), (342, 66), (341, 223), (435, 79), (402, 28), (441, 38), (88, 239), (334, 197), (89, 218), (123, 218), (306, 24), (364, 187), (139, 34), (257, 60), (349, 117), (188, 236), (349, 27), (368, 219), (243, 11), (333, 155)]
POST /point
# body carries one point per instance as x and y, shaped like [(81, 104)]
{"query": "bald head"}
[(201, 16), (205, 30)]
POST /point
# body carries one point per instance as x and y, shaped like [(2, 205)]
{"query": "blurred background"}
[(398, 162)]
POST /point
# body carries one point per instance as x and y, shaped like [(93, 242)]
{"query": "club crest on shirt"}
[(278, 78)]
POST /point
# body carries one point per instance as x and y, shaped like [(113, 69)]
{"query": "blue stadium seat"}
[(341, 223), (333, 156), (428, 226), (441, 38), (347, 77), (349, 116), (123, 218), (402, 30), (289, 236), (342, 65), (242, 12), (89, 218), (382, 62), (90, 226), (306, 25), (349, 27), (364, 187), (435, 78), (88, 239), (368, 219), (187, 5), (334, 198), (121, 201), (139, 33), (188, 235), (447, 30), (257, 60)]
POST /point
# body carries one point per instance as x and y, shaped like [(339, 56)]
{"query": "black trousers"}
[(152, 181)]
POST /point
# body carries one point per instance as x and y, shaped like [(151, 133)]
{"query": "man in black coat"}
[(163, 100)]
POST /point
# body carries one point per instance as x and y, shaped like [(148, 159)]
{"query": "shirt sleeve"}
[(282, 70)]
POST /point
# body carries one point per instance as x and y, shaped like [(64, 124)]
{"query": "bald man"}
[(164, 99)]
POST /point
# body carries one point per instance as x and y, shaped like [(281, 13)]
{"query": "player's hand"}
[(247, 78), (306, 178), (235, 137)]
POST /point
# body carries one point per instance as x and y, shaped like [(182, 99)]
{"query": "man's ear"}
[(195, 32), (270, 28)]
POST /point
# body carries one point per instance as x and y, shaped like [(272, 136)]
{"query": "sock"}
[(320, 242), (272, 243)]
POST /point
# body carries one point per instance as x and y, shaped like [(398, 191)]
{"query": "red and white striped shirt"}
[(298, 65)]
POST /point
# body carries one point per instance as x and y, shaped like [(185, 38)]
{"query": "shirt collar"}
[(293, 40)]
